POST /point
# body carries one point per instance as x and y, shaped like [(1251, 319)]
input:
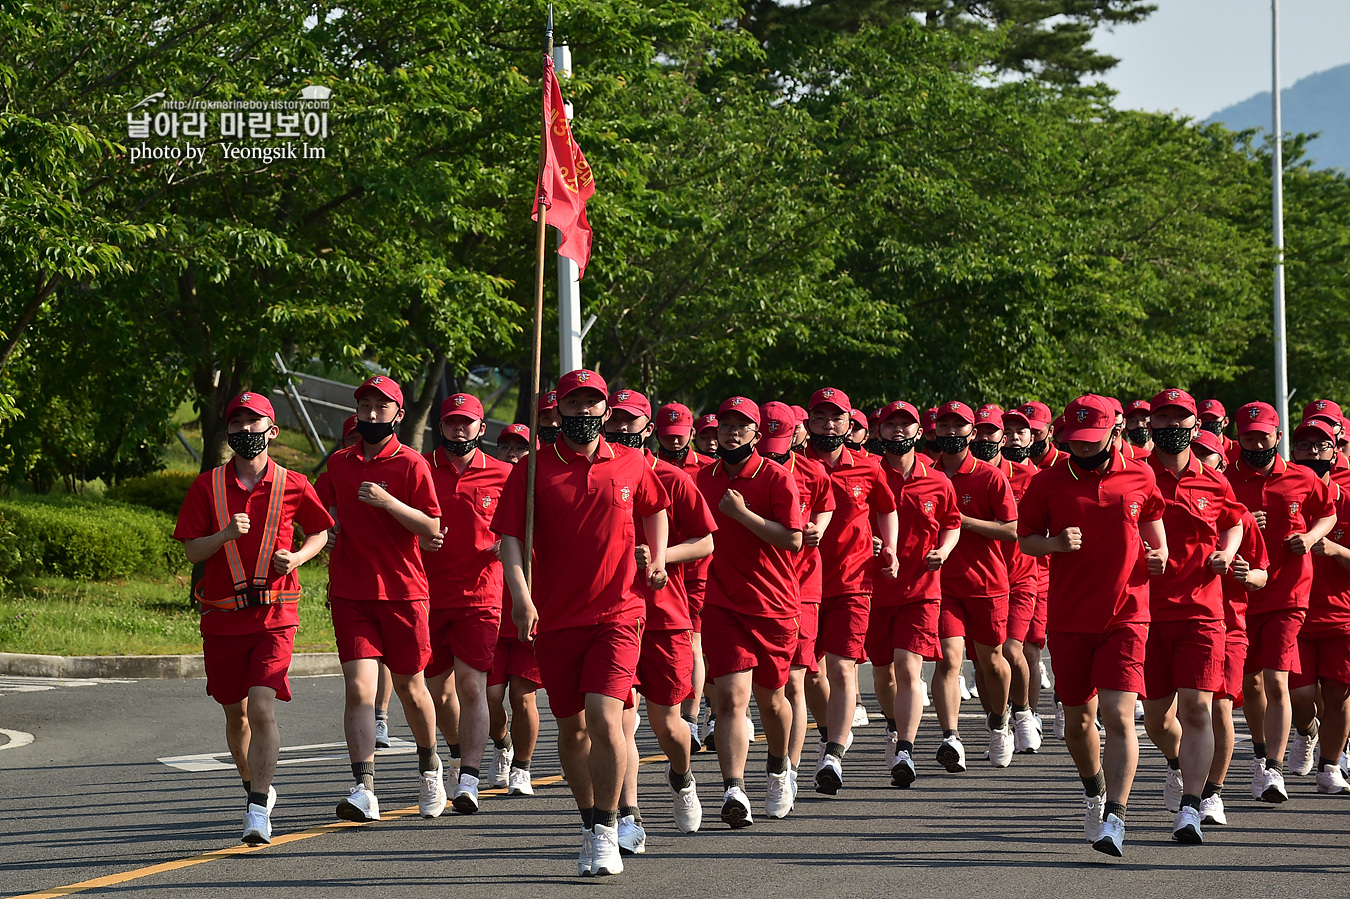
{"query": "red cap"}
[(899, 407), (704, 422), (1116, 407), (1212, 410), (1057, 428), (548, 400), (857, 419), (674, 418), (1326, 410), (385, 387), (830, 396), (1037, 414), (576, 380), (1314, 427), (465, 404), (776, 430), (1089, 417), (631, 402), (874, 419), (989, 414), (801, 414), (742, 406), (1173, 396), (1209, 442), (521, 431), (1257, 417), (930, 420), (956, 407), (1138, 406), (348, 426), (1014, 419), (254, 402)]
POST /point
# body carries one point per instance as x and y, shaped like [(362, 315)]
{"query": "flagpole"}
[(536, 350)]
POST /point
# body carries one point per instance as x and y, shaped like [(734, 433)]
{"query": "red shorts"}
[(1021, 610), (665, 671), (468, 634), (696, 591), (912, 627), (599, 658), (1322, 655), (808, 625), (983, 619), (395, 630), (511, 659), (237, 663), (734, 642), (1086, 663), (1234, 655), (1272, 641), (842, 630), (1036, 631), (1183, 655)]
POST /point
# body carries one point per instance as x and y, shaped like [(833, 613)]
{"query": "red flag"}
[(565, 184)]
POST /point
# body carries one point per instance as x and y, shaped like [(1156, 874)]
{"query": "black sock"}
[(522, 764), (1174, 764), (692, 719), (1114, 808), (729, 782), (1211, 789), (1258, 750), (607, 817), (1311, 731), (679, 781), (1020, 708), (948, 733), (248, 786), (999, 721), (1094, 785), (835, 749), (381, 714), (503, 744), (365, 772), (454, 750), (426, 759), (1272, 765), (890, 725), (258, 799), (587, 817), (824, 733), (469, 770), (626, 810), (904, 746), (777, 764), (1324, 764), (1192, 801)]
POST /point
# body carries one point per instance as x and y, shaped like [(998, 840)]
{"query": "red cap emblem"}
[(377, 380), (1082, 414), (1172, 394), (673, 415), (984, 413), (1320, 404), (623, 396), (553, 397), (245, 397), (736, 401), (773, 425), (829, 393), (459, 401), (583, 376), (1253, 413)]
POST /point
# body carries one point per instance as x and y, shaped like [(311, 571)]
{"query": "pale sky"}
[(1200, 56)]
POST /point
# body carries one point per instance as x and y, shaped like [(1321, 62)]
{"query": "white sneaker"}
[(964, 689), (778, 797), (736, 809), (1026, 733), (951, 754), (820, 752), (1059, 721), (466, 795), (1212, 812), (892, 738), (431, 792), (632, 837), (859, 716), (257, 825), (1186, 827), (750, 726), (1259, 779), (518, 783), (360, 805), (688, 809), (501, 766), (1301, 750), (1112, 839), (1345, 765), (902, 770), (1173, 787), (1045, 677), (829, 775), (1092, 817), (1001, 746), (792, 779), (709, 741), (695, 744), (1139, 710), (608, 859), (586, 860), (1331, 782), (1274, 792), (927, 694), (381, 733)]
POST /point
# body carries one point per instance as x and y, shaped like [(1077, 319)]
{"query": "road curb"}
[(26, 665)]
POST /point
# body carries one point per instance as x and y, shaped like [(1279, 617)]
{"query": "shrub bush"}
[(75, 537), (164, 491)]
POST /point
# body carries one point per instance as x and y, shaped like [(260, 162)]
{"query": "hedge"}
[(164, 491), (93, 539)]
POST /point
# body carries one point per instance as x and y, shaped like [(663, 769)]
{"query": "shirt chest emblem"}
[(857, 491), (1294, 507), (1202, 503), (625, 493), (928, 507), (1134, 510), (1338, 534), (487, 502), (967, 499)]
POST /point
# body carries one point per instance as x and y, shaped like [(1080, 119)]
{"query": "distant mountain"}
[(1319, 102)]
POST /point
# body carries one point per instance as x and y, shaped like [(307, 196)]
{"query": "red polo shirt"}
[(376, 557), (584, 534), (1235, 595), (814, 496), (1329, 601), (695, 574), (977, 567), (300, 506), (1052, 455), (465, 572), (925, 503), (1200, 506), (668, 608), (1025, 573), (1293, 499), (860, 492), (1105, 583), (748, 575)]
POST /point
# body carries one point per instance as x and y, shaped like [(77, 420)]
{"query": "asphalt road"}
[(89, 798)]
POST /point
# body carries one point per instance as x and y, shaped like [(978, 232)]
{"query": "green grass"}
[(136, 616)]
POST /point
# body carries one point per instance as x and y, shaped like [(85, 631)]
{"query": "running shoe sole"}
[(1107, 846), (902, 776), (949, 758), (735, 815), (828, 782)]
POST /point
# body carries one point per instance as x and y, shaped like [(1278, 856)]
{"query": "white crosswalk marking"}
[(290, 755), (15, 684)]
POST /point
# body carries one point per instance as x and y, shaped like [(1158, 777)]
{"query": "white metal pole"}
[(569, 288), (1277, 166)]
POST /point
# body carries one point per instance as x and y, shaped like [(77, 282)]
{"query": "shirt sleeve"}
[(1320, 503), (1033, 515), (1154, 504), (323, 488), (509, 519), (784, 504), (949, 515), (691, 510), (311, 514), (1001, 499), (1253, 544), (421, 488), (880, 500), (651, 496), (824, 495), (1231, 514), (196, 518)]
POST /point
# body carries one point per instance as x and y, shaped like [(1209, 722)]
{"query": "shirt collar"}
[(478, 460), (388, 451), (603, 451), (1116, 462), (1248, 472), (754, 464), (267, 474)]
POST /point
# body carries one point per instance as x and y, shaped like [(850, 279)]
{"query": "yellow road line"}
[(320, 830)]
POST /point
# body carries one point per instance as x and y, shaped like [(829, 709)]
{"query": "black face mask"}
[(674, 457), (582, 429), (827, 443), (247, 444), (1138, 436), (780, 458), (873, 445), (1319, 467), (1038, 448), (899, 447), (853, 446), (375, 431), (1093, 462), (735, 456), (1259, 458), (625, 439), (549, 433), (984, 450), (950, 445), (1016, 453), (1214, 427), (1062, 446), (1172, 440), (460, 447)]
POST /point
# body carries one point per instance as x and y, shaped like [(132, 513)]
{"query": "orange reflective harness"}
[(249, 593)]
